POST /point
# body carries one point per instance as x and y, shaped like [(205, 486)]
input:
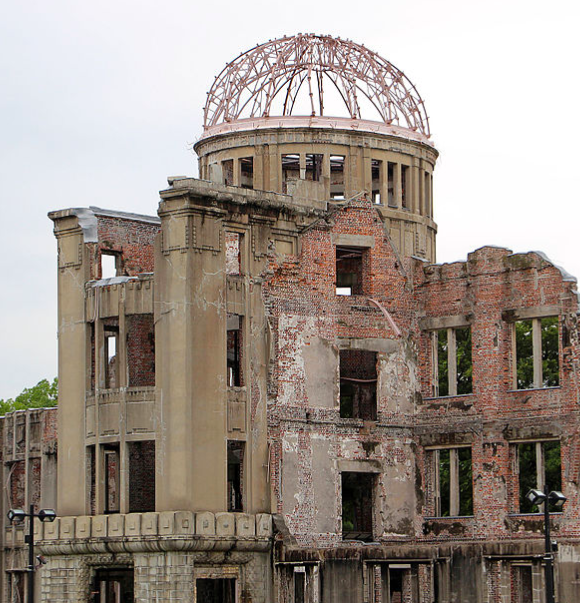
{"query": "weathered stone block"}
[(149, 526), (67, 527), (133, 524), (264, 525), (116, 525), (225, 524), (245, 524), (83, 527), (184, 522), (99, 527), (205, 524)]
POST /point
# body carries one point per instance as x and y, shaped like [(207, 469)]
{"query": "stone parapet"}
[(151, 532)]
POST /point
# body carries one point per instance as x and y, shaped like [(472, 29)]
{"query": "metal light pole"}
[(537, 497), (18, 515)]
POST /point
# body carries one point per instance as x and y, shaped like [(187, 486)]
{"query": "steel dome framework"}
[(270, 77)]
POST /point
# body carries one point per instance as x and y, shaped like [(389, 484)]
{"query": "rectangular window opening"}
[(314, 166), (234, 351), (404, 186), (539, 466), (235, 476), (215, 590), (247, 172), (357, 506), (337, 186), (112, 472), (537, 353), (113, 586), (454, 482), (452, 362), (376, 176), (391, 184), (228, 172), (290, 169), (141, 476), (233, 253), (111, 340), (521, 583), (349, 270), (358, 384), (109, 264), (91, 488)]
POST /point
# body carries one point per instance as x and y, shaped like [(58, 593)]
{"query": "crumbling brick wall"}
[(141, 350)]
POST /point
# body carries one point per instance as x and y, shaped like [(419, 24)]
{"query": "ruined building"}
[(271, 393)]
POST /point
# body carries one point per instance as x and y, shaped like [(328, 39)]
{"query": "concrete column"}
[(190, 336), (452, 362), (237, 171), (326, 174), (73, 273), (366, 171), (537, 347), (302, 162), (397, 186)]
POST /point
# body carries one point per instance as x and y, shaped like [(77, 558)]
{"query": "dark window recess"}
[(209, 590), (112, 471), (396, 585), (141, 350), (405, 186), (357, 506), (92, 360), (17, 485), (115, 585), (141, 476), (539, 466), (350, 270), (337, 177), (391, 184), (91, 484), (376, 175), (233, 253), (313, 166), (111, 337), (537, 357), (234, 351), (247, 172), (358, 384), (299, 584), (455, 482), (235, 476), (228, 172), (521, 583)]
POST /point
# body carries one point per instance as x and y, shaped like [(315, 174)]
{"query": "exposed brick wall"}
[(141, 476), (141, 350), (132, 239)]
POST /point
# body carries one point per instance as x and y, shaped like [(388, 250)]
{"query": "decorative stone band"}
[(151, 532)]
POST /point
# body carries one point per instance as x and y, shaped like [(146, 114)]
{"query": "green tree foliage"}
[(464, 364), (41, 395), (550, 364), (442, 359), (524, 354)]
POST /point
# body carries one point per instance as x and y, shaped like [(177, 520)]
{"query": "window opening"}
[(357, 506), (215, 590), (358, 384), (235, 476), (141, 350), (314, 166), (112, 470), (113, 586), (539, 466), (109, 264), (454, 482), (337, 177), (404, 186), (521, 583), (290, 169), (228, 172), (141, 476), (452, 364), (537, 357), (234, 351), (111, 336), (391, 184), (396, 585), (376, 176), (299, 584), (233, 253), (349, 270), (247, 172)]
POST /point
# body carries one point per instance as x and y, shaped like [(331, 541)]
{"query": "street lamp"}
[(17, 516), (537, 497)]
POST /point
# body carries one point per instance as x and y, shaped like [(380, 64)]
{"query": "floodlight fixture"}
[(536, 497)]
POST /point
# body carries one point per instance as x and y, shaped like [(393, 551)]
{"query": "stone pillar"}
[(190, 355)]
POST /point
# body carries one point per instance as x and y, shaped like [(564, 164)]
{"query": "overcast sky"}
[(101, 101)]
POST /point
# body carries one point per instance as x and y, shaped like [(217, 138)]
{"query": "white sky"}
[(101, 101)]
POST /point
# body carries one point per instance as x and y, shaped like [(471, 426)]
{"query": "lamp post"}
[(18, 515), (537, 497)]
